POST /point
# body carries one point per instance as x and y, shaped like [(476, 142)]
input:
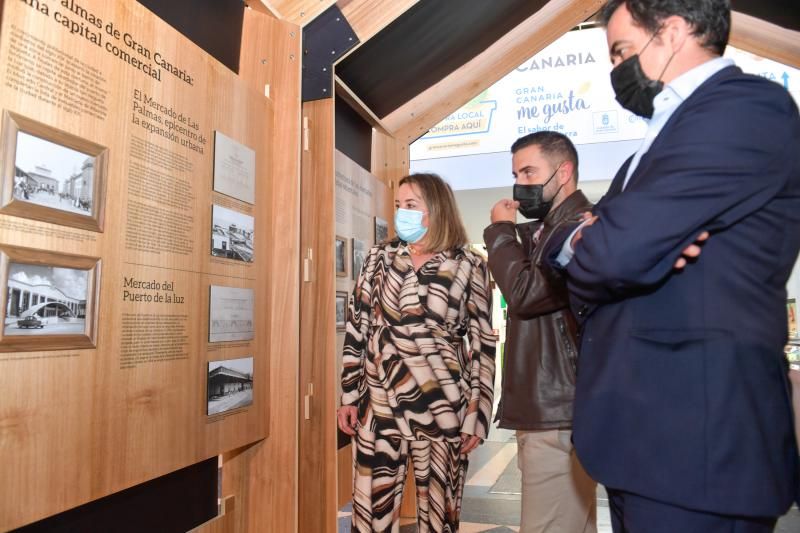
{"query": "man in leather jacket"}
[(540, 356)]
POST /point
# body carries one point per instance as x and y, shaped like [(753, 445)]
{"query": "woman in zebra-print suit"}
[(412, 384)]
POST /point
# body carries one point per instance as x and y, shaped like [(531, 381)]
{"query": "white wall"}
[(597, 162)]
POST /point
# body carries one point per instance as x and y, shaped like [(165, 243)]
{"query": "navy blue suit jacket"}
[(682, 392)]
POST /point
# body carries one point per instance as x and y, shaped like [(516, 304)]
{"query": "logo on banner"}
[(473, 118), (605, 122)]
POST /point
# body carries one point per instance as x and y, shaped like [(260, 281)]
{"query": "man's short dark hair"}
[(710, 19), (555, 147)]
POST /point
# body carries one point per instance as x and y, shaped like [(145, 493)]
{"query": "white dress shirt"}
[(664, 105)]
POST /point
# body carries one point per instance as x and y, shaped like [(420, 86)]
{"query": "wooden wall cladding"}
[(317, 436), (80, 423), (224, 523), (390, 160), (263, 476)]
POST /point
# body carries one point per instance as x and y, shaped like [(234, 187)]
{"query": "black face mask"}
[(635, 91), (531, 199)]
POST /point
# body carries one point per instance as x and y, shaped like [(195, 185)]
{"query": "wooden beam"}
[(368, 17), (262, 6), (318, 376), (765, 39), (299, 12), (263, 476), (389, 162), (428, 108)]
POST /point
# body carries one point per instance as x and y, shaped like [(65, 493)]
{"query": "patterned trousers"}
[(379, 475)]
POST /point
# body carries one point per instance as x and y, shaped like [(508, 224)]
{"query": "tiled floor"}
[(491, 495)]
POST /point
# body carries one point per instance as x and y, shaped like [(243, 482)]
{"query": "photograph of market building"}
[(42, 300), (52, 175), (232, 234), (230, 384)]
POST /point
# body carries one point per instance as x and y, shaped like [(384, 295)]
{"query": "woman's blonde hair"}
[(445, 227)]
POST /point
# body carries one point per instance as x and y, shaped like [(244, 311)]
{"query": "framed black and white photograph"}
[(230, 385), (359, 255), (340, 256), (49, 300), (341, 310), (230, 314), (381, 230), (51, 175), (232, 234)]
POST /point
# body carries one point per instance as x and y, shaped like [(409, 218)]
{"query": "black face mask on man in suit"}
[(633, 89)]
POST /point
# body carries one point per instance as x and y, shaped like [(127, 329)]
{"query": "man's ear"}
[(566, 172), (675, 31)]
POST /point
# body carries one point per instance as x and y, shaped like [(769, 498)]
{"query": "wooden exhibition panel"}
[(224, 522), (363, 201), (263, 476), (339, 199), (78, 423), (317, 434)]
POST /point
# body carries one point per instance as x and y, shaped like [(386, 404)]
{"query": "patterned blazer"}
[(406, 364)]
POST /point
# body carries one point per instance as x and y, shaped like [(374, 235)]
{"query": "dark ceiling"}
[(424, 45), (784, 13), (213, 25), (436, 37)]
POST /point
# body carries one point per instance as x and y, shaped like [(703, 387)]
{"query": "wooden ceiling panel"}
[(299, 12), (781, 13), (425, 44), (368, 17)]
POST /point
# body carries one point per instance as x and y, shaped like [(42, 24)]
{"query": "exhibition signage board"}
[(128, 230), (363, 205), (564, 88)]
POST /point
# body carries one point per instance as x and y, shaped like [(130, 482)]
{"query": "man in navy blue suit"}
[(682, 406)]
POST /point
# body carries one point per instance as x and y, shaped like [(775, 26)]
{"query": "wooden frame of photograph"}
[(12, 125), (341, 296), (86, 338), (340, 272), (381, 230)]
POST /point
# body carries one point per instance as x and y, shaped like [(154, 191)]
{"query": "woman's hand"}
[(469, 443), (347, 418)]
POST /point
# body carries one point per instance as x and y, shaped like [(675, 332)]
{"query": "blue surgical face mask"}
[(408, 224)]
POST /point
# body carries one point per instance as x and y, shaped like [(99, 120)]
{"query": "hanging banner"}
[(564, 88)]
